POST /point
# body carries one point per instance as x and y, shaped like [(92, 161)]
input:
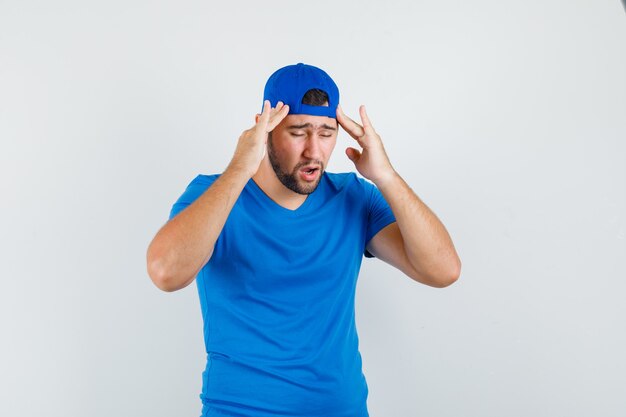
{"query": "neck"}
[(267, 181)]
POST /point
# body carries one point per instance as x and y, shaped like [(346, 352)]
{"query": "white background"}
[(508, 118)]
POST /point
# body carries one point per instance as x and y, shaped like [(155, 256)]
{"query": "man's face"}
[(299, 149)]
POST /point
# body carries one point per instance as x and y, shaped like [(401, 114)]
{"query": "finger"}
[(276, 109), (353, 128), (348, 124), (278, 117), (353, 154), (366, 120), (265, 115)]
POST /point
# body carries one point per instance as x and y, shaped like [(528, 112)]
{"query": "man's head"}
[(300, 146)]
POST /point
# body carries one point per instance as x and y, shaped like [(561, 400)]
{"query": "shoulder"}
[(201, 182), (196, 187), (345, 181), (203, 179), (350, 182)]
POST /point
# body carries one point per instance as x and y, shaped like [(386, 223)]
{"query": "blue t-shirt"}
[(277, 299)]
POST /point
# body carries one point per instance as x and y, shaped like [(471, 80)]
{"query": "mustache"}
[(311, 162)]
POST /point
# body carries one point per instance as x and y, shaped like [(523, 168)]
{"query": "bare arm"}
[(185, 244), (417, 243)]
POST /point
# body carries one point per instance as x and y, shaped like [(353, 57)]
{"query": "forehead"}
[(306, 121)]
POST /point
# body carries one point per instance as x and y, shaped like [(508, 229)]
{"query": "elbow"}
[(442, 279), (444, 282), (160, 274), (451, 277), (166, 273)]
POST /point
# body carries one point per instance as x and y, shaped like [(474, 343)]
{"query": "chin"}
[(308, 188)]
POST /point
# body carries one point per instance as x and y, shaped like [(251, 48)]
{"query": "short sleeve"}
[(194, 190), (379, 214)]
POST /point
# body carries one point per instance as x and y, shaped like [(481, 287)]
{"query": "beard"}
[(291, 180)]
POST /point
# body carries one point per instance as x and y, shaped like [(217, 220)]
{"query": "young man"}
[(275, 244)]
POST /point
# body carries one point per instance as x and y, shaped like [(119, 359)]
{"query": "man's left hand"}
[(372, 161)]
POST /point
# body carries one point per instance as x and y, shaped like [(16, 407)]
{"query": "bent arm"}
[(419, 244), (185, 244)]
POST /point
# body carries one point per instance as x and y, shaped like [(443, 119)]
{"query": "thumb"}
[(353, 154)]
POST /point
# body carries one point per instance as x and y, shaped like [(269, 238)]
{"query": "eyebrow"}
[(305, 125)]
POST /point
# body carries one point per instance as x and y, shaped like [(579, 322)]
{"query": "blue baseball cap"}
[(289, 85)]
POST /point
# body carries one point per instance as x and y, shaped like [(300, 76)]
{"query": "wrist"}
[(387, 180), (238, 170)]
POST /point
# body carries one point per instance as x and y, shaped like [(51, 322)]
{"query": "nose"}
[(313, 148)]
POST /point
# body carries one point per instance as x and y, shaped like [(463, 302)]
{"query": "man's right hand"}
[(252, 143), (185, 243)]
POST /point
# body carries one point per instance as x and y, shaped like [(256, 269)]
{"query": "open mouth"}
[(310, 173)]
